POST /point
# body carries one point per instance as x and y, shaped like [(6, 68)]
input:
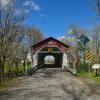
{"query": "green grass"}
[(10, 83), (13, 81), (92, 76), (13, 69), (97, 79)]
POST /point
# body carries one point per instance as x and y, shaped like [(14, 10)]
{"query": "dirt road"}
[(52, 84)]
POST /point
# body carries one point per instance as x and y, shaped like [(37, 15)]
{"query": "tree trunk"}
[(0, 77), (17, 67), (24, 66)]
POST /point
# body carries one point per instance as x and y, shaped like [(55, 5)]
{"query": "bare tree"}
[(11, 31), (35, 35), (95, 41), (97, 5), (77, 46), (95, 44)]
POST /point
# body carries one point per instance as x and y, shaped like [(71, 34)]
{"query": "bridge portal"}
[(50, 53)]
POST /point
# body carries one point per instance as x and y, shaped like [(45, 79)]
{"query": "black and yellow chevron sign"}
[(88, 55)]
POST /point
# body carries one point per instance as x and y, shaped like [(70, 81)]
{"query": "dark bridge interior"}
[(58, 60)]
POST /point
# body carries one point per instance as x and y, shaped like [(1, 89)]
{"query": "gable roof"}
[(56, 42), (47, 40)]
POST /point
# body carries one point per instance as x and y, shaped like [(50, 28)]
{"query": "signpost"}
[(84, 40), (74, 60)]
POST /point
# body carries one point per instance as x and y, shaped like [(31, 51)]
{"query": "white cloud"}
[(66, 38), (17, 12), (35, 6), (61, 37), (32, 5), (26, 11), (4, 3), (27, 3)]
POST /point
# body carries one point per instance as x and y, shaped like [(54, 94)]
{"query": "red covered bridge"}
[(50, 52)]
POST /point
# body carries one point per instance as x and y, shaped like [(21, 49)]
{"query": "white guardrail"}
[(34, 60), (66, 65)]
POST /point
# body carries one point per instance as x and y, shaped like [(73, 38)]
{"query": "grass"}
[(97, 79), (92, 76), (10, 83), (13, 69), (13, 81)]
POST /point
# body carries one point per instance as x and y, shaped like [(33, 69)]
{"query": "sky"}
[(53, 17)]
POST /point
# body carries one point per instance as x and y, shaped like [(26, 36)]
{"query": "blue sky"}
[(55, 16)]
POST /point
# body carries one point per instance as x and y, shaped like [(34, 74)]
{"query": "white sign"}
[(96, 66)]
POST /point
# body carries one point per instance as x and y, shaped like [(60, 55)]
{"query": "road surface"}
[(52, 84)]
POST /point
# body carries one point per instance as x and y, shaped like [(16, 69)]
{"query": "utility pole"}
[(84, 56)]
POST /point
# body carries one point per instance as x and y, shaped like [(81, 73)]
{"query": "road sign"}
[(49, 50), (88, 55), (84, 40), (74, 59)]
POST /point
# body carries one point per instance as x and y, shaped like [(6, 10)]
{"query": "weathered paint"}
[(50, 42)]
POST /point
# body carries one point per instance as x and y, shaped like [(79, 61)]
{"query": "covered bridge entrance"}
[(49, 53), (50, 59)]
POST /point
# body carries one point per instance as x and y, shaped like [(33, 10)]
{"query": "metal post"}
[(89, 70), (96, 72), (84, 60)]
